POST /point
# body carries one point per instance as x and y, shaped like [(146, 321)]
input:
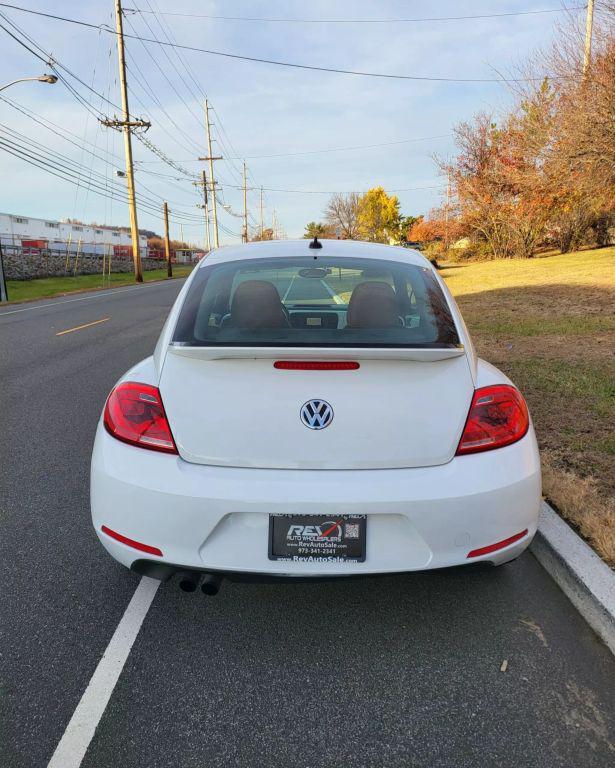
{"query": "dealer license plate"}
[(310, 538)]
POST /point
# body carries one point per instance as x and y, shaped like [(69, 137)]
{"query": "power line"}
[(168, 33), (191, 76), (57, 129), (20, 42), (332, 149), (286, 64), (232, 186), (330, 192), (368, 21), (97, 113), (86, 177), (115, 159), (161, 70), (141, 80), (86, 104), (348, 149)]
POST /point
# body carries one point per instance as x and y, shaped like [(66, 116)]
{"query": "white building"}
[(59, 236)]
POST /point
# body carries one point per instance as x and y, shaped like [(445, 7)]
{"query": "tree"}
[(266, 234), (545, 174), (405, 225), (318, 229), (426, 231), (341, 214), (157, 244), (378, 216)]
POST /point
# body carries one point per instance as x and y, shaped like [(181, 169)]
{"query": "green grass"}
[(46, 287), (564, 382)]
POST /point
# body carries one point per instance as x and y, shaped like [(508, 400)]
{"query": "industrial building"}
[(28, 232)]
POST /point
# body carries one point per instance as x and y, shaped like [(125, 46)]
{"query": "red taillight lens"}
[(135, 414), (316, 365), (498, 417)]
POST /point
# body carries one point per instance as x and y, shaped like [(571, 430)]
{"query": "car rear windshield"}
[(307, 302)]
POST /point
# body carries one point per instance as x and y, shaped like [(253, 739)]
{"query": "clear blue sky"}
[(264, 109)]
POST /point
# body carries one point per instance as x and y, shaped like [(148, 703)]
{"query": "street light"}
[(46, 78), (51, 79)]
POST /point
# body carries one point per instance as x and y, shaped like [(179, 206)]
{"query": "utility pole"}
[(206, 204), (589, 25), (262, 220), (212, 180), (245, 205), (167, 244), (4, 296), (127, 125), (274, 223), (448, 205)]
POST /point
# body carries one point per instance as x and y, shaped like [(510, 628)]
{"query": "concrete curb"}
[(584, 578)]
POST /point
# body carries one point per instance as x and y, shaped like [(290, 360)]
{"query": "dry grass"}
[(549, 323), (584, 506)]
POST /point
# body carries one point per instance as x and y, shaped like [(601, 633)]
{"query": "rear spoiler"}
[(418, 354)]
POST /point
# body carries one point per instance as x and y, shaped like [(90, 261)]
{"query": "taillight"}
[(135, 414), (316, 365), (498, 417)]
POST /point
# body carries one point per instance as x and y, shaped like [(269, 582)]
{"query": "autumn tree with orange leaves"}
[(542, 175)]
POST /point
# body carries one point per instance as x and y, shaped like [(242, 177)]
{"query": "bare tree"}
[(342, 214)]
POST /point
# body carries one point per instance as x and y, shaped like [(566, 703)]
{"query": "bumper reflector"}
[(498, 545), (131, 542)]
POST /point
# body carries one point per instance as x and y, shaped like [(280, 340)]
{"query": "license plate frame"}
[(317, 538)]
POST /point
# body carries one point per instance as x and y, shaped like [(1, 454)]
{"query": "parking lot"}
[(456, 668)]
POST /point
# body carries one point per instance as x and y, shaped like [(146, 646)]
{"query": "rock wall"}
[(25, 266)]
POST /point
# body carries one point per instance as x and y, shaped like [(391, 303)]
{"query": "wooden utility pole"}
[(245, 204), (167, 244), (206, 207), (212, 179), (127, 125), (262, 219), (448, 206), (4, 296), (589, 26)]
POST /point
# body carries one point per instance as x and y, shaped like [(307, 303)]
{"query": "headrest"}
[(256, 304), (372, 305)]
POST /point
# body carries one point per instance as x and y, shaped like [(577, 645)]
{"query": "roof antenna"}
[(315, 243)]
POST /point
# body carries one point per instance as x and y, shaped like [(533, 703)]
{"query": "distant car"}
[(313, 410)]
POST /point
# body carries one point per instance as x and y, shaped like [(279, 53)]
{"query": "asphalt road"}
[(395, 671)]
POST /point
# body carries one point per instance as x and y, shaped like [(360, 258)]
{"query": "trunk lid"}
[(401, 408)]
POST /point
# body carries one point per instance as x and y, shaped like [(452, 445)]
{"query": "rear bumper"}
[(216, 518)]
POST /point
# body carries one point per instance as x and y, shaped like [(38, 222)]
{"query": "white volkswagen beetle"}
[(313, 410)]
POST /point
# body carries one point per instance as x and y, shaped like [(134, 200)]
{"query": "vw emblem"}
[(316, 414)]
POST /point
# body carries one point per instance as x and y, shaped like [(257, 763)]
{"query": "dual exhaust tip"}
[(189, 582)]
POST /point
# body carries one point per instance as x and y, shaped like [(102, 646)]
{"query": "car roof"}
[(330, 248)]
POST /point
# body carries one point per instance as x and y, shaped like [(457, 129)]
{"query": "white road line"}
[(289, 287), (80, 730), (97, 295)]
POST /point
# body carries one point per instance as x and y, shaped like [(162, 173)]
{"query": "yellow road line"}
[(86, 325)]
